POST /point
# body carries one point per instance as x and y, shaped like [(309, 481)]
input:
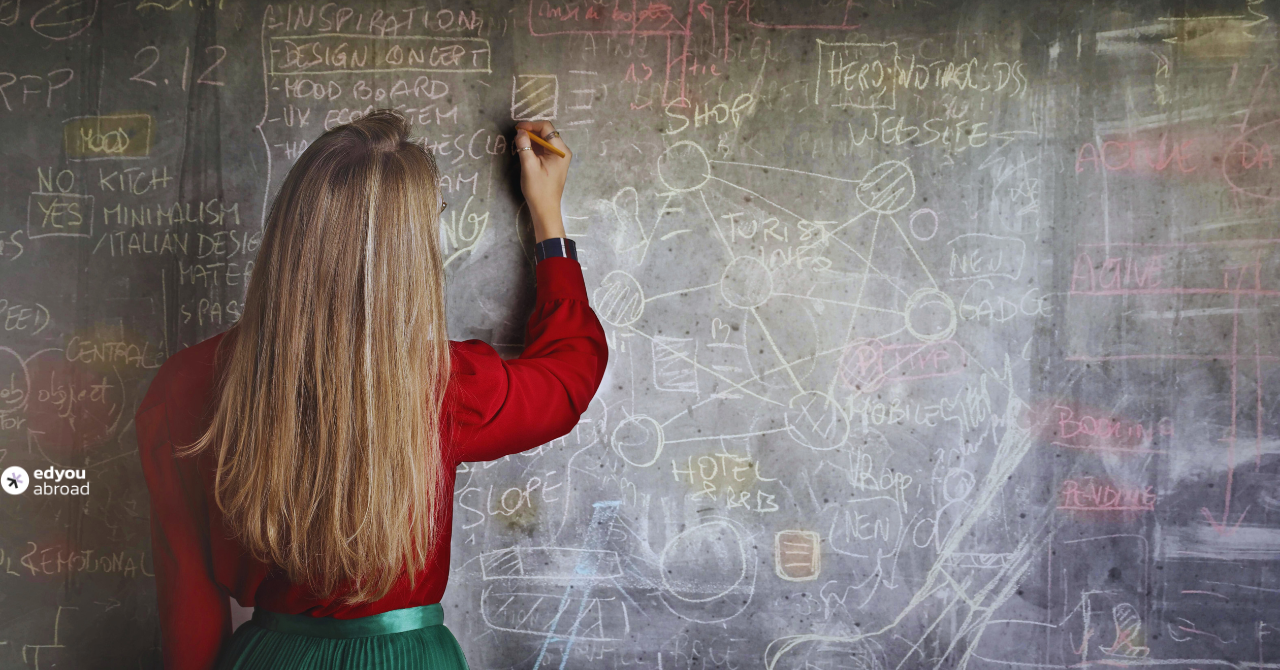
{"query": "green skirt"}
[(414, 637)]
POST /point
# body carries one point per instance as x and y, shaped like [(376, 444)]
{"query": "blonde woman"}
[(303, 461)]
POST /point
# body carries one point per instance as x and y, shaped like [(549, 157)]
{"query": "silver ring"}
[(524, 149), (554, 133)]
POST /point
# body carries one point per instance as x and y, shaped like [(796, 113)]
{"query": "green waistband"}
[(395, 621)]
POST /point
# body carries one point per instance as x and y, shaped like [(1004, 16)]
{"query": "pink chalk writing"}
[(1170, 156), (1139, 269), (1097, 431), (1116, 273), (620, 18), (867, 364), (1088, 495), (1137, 155)]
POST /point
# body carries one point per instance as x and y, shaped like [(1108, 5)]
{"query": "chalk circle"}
[(925, 215), (58, 27), (1262, 190), (684, 167), (619, 299), (816, 421), (923, 309), (695, 552), (709, 571), (887, 188), (957, 485), (746, 283), (635, 438)]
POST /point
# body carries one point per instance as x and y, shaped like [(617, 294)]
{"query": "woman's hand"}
[(542, 176)]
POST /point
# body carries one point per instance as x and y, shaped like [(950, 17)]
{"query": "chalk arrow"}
[(1223, 528)]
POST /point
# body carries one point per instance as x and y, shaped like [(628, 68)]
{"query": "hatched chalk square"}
[(534, 97)]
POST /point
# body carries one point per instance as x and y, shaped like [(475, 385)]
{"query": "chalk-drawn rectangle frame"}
[(891, 89), (146, 151), (488, 55), (74, 196)]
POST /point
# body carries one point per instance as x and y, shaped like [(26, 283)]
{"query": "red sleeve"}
[(504, 407), (195, 614)]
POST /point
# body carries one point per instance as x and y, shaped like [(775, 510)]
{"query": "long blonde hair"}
[(327, 430)]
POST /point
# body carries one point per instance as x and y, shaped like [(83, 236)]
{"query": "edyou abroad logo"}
[(15, 481)]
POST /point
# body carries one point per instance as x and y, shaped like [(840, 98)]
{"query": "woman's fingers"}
[(544, 129), (524, 150), (548, 133), (558, 142)]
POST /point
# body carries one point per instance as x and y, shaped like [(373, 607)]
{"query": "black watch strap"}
[(555, 246)]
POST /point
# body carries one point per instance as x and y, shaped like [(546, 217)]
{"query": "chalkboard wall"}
[(943, 334)]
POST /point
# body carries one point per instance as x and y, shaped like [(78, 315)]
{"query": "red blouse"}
[(494, 407)]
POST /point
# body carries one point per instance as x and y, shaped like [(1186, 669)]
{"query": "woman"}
[(303, 462)]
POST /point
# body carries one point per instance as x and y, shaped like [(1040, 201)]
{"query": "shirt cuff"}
[(553, 247), (560, 278)]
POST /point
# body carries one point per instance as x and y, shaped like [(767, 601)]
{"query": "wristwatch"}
[(555, 246)]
